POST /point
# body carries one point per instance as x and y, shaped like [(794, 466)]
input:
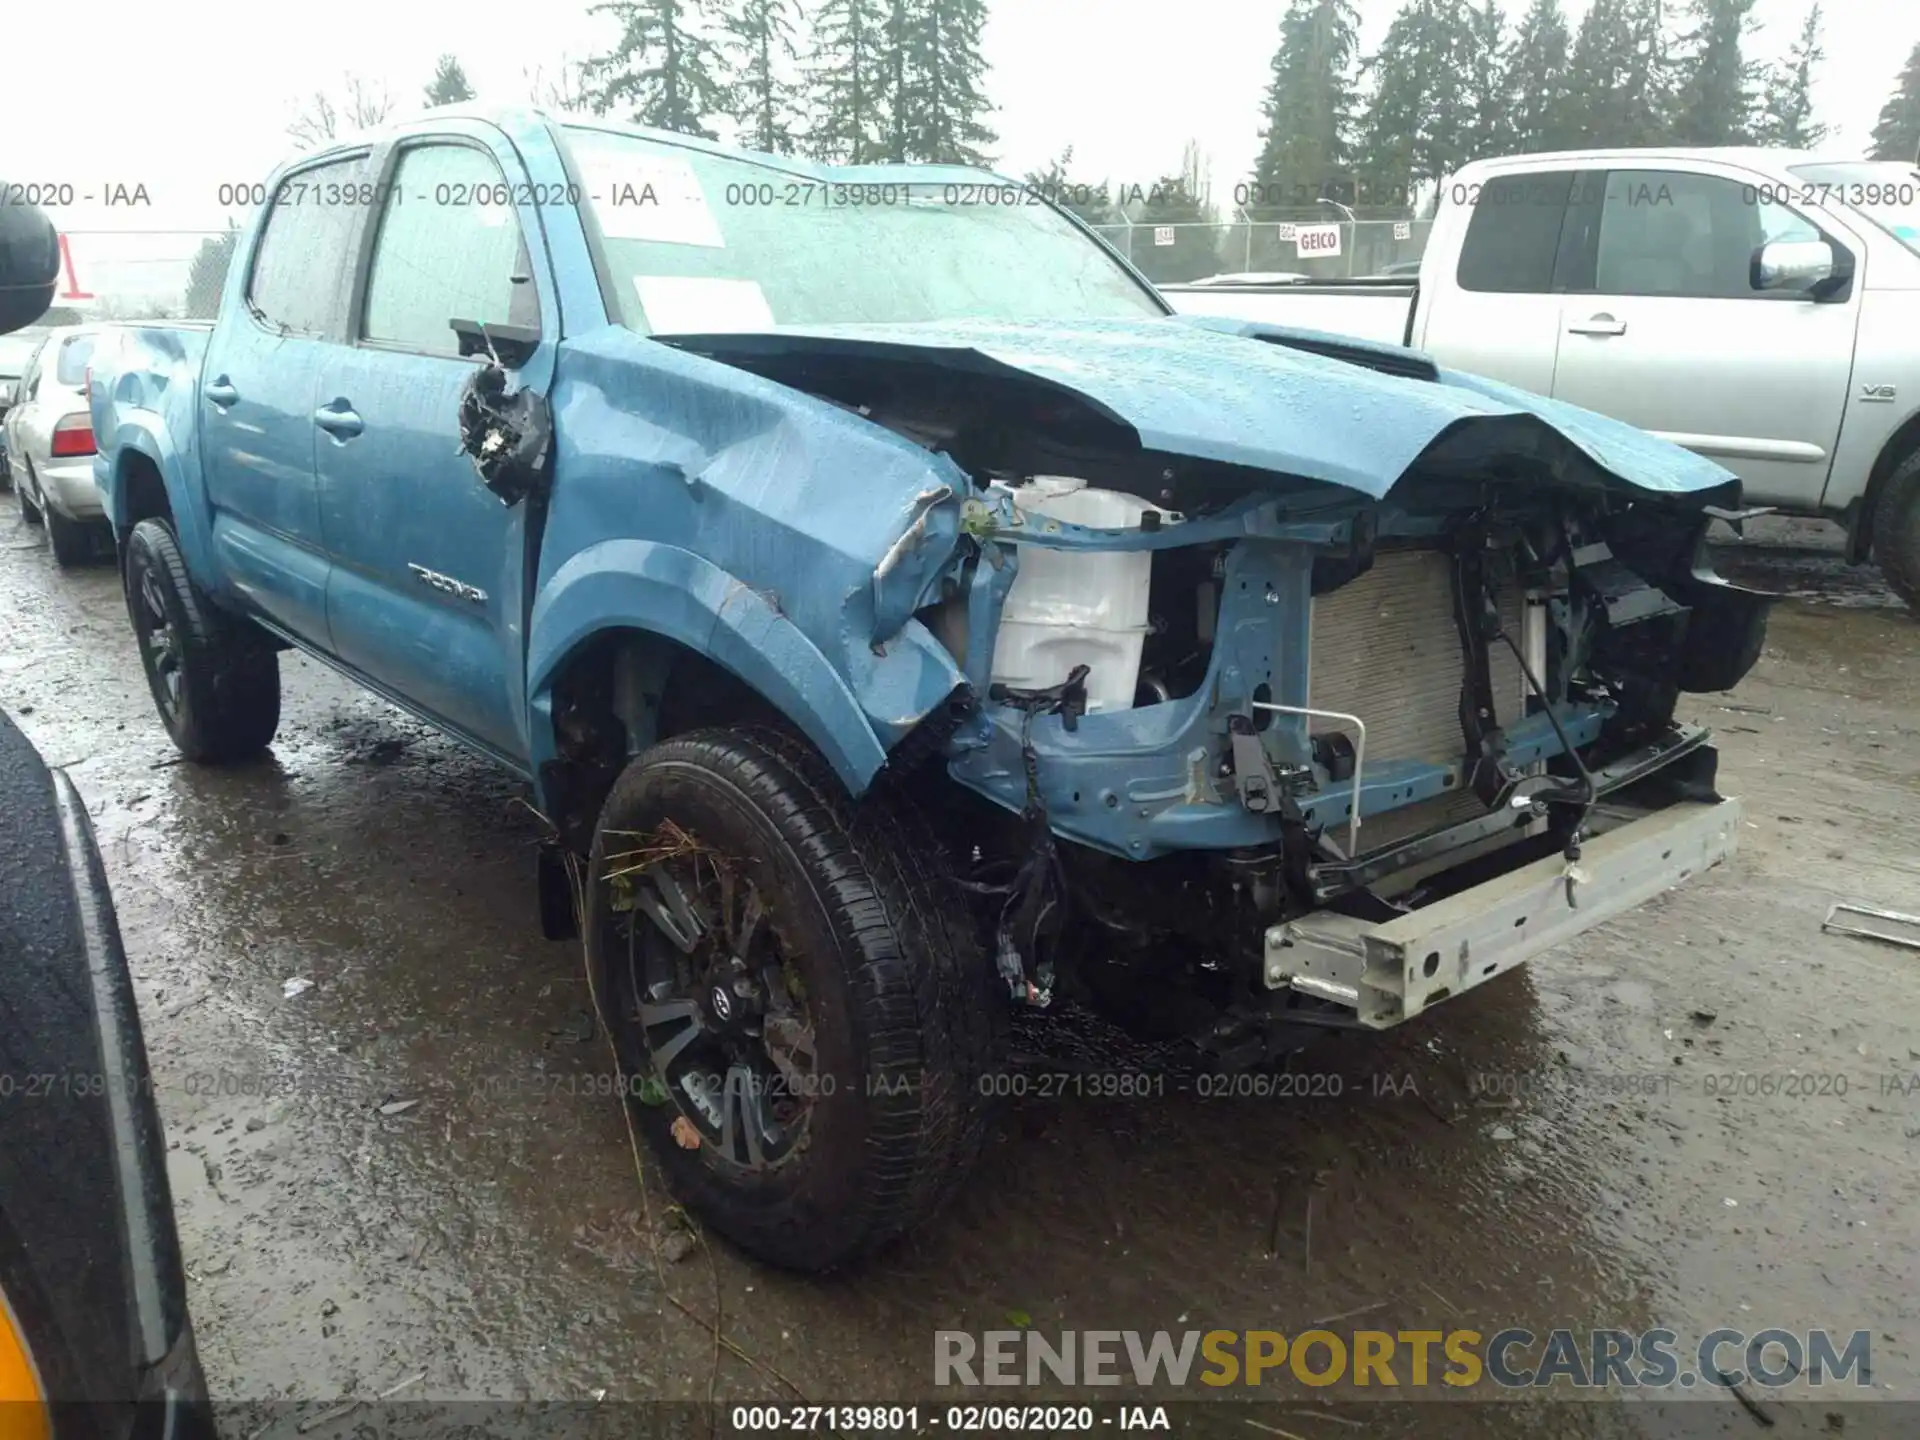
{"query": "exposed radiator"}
[(1385, 647)]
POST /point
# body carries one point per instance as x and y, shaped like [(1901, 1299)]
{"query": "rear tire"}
[(73, 540), (1896, 532), (215, 677), (821, 959)]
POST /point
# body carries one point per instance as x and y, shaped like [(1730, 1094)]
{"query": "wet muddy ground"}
[(489, 1241)]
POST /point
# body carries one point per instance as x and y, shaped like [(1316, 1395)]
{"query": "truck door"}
[(256, 395), (1497, 315), (425, 594), (1668, 333)]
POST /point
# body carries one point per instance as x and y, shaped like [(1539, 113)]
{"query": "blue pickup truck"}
[(902, 618)]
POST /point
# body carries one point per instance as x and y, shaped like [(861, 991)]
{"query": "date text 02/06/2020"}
[(907, 1419)]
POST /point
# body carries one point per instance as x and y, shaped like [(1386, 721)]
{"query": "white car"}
[(49, 444), (15, 351)]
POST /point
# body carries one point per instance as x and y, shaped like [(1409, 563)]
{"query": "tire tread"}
[(920, 986), (231, 673), (1896, 532)]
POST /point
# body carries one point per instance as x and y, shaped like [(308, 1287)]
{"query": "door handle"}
[(1599, 325), (220, 392), (339, 420)]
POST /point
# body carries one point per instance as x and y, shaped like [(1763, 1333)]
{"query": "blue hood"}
[(1244, 393)]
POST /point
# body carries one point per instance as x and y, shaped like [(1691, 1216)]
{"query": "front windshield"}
[(1887, 194), (698, 242)]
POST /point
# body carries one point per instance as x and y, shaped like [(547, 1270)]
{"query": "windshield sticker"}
[(702, 305), (649, 197)]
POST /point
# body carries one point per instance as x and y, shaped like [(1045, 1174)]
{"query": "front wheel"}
[(1896, 532), (215, 678), (805, 1020)]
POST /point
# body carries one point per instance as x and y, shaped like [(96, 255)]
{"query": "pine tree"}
[(1415, 129), (1714, 81), (1538, 74), (662, 70), (1620, 81), (1650, 75), (1602, 53), (1490, 83), (449, 85), (939, 105), (1307, 142), (759, 41), (1786, 114), (899, 105), (1897, 136), (847, 77)]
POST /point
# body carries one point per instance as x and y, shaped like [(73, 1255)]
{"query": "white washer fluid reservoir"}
[(1069, 608)]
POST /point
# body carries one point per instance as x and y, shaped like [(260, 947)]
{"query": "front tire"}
[(215, 678), (805, 1021), (1896, 532)]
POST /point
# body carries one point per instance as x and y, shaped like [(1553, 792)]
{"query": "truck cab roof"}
[(517, 119), (1752, 157)]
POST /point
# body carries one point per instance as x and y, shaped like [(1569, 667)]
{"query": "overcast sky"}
[(185, 95)]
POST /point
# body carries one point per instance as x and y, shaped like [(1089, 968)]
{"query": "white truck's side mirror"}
[(1794, 265)]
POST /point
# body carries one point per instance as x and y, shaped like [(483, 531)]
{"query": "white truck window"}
[(1669, 232), (1514, 235)]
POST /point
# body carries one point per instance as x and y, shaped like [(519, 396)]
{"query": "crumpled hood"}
[(1214, 388)]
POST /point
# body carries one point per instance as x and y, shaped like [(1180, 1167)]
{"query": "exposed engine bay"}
[(1210, 701)]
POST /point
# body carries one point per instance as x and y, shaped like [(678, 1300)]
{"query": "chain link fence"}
[(1315, 244), (143, 274)]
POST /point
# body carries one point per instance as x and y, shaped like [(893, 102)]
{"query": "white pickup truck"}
[(1760, 307)]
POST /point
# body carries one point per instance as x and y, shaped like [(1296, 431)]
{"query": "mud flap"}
[(559, 918)]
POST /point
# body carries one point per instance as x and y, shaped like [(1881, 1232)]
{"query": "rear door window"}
[(74, 357), (1513, 237), (300, 266)]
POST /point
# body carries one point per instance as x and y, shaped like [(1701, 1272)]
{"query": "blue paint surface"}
[(1218, 392)]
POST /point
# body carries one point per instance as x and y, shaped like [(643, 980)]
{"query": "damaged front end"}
[(1267, 751), (1349, 711)]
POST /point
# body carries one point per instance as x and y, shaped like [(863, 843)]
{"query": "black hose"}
[(1560, 797)]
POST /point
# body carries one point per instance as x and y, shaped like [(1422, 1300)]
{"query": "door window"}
[(449, 249), (300, 264), (1514, 235), (1667, 232)]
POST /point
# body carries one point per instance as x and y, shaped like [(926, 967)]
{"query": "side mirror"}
[(1795, 266), (511, 345), (29, 265)]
